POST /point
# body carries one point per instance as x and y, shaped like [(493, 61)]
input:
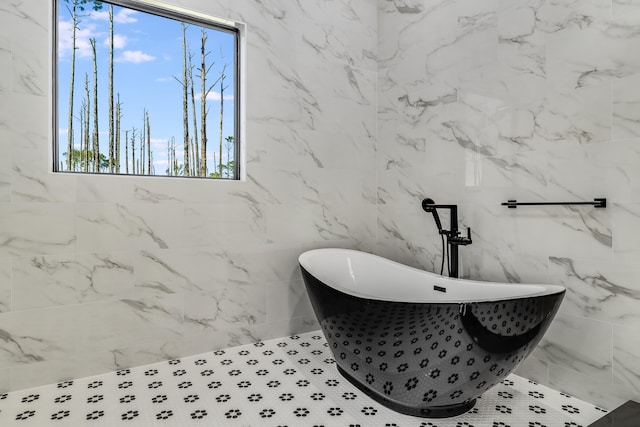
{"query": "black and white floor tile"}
[(289, 381)]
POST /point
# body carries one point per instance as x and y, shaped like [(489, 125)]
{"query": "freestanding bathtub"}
[(417, 342)]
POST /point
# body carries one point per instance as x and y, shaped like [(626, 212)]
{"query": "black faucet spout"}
[(454, 239)]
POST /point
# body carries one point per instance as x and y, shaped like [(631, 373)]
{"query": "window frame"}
[(162, 10)]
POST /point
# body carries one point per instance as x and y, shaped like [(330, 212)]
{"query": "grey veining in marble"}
[(132, 270), (529, 100)]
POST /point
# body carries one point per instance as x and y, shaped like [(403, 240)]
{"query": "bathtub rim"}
[(536, 290)]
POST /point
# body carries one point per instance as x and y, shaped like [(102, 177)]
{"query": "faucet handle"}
[(461, 241)]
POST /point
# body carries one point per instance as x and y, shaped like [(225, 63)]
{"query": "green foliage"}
[(177, 170), (78, 158), (82, 4)]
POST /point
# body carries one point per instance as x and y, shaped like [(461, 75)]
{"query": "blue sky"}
[(147, 54)]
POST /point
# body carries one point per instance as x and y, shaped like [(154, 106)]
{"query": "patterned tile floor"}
[(289, 381)]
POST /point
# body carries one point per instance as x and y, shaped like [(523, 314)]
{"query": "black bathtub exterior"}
[(428, 359)]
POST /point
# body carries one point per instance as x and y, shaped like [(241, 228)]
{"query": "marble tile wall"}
[(103, 272), (351, 105), (481, 101)]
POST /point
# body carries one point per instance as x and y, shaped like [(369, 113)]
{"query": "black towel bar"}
[(597, 203)]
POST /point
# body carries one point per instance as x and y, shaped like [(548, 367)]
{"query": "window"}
[(144, 90)]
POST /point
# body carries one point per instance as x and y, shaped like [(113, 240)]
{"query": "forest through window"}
[(143, 92)]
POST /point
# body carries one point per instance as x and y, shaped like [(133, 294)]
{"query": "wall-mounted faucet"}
[(454, 239)]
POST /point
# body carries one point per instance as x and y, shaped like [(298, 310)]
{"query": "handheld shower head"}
[(427, 208)]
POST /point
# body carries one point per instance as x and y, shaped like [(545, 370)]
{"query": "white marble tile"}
[(521, 43), (271, 263), (5, 380), (626, 107), (170, 271), (28, 339), (623, 177), (109, 226), (497, 264), (626, 347), (287, 301), (582, 116), (579, 344), (626, 219), (119, 324), (5, 285), (578, 173), (562, 17), (533, 369), (588, 56), (47, 372), (33, 181), (51, 280), (36, 228), (5, 178), (27, 26), (626, 12), (17, 126), (225, 308), (602, 393), (5, 63), (96, 188), (557, 231), (598, 289)]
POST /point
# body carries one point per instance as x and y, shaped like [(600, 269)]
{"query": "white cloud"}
[(215, 96), (119, 41), (63, 131), (162, 79), (159, 142), (135, 56), (124, 16), (65, 39)]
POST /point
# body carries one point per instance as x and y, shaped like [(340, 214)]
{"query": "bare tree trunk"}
[(133, 150), (222, 88), (149, 160), (195, 150), (204, 70), (142, 150), (174, 163), (185, 106), (126, 151), (86, 122), (118, 120), (229, 144), (110, 95), (96, 141), (83, 111), (74, 25)]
